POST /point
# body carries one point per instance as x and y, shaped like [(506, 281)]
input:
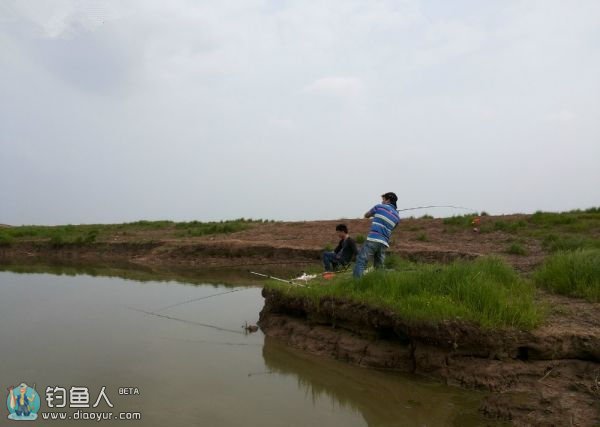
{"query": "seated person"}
[(343, 253)]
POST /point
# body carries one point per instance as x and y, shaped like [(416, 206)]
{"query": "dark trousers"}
[(330, 261)]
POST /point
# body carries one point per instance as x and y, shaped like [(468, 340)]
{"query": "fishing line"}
[(206, 325), (203, 297), (445, 206), (216, 267), (213, 342)]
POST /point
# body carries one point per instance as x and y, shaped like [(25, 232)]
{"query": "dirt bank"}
[(415, 239), (546, 377)]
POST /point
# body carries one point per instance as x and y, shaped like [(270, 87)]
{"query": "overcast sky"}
[(126, 110)]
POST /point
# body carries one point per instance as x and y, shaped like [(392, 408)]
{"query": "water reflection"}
[(185, 275), (382, 398)]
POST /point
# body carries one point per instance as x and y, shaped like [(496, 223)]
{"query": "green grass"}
[(85, 234), (460, 220), (486, 292), (58, 235), (574, 221), (516, 249), (574, 273), (554, 243), (5, 239), (393, 261), (197, 228)]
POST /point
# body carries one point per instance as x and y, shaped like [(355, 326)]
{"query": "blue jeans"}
[(369, 249), (330, 261)]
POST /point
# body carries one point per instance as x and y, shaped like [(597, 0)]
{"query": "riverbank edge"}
[(540, 377), (197, 254)]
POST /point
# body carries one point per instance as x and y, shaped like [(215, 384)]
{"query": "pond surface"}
[(191, 362)]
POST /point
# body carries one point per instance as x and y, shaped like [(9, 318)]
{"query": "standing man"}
[(385, 219), (343, 253)]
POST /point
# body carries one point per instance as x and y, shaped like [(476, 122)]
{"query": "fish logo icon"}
[(23, 403)]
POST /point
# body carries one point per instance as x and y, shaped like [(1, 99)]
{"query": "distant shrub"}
[(360, 239), (573, 273), (426, 217)]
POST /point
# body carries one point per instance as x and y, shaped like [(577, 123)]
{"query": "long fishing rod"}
[(289, 282), (444, 206)]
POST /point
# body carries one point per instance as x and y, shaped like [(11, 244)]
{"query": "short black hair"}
[(341, 227)]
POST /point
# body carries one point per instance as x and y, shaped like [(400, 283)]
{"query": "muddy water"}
[(191, 363)]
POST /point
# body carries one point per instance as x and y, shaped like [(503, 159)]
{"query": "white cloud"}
[(337, 86)]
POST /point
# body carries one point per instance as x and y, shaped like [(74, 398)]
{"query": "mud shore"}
[(547, 377)]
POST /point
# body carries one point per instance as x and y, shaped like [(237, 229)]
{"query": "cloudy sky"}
[(119, 111)]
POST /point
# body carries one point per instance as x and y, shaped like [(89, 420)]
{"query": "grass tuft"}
[(516, 249), (554, 243), (573, 273)]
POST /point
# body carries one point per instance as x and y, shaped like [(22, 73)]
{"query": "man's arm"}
[(370, 213)]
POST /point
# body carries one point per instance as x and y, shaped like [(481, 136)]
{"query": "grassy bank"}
[(573, 273), (486, 292), (83, 234)]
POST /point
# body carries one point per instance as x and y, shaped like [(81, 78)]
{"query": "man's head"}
[(342, 230), (390, 198)]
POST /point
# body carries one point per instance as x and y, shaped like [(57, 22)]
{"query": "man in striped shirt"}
[(385, 219)]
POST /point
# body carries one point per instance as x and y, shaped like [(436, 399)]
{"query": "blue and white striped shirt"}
[(385, 219)]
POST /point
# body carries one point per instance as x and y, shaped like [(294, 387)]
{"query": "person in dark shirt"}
[(344, 252)]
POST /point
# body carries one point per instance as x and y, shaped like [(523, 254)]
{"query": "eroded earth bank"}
[(546, 377)]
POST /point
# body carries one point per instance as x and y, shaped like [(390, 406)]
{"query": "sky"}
[(295, 110)]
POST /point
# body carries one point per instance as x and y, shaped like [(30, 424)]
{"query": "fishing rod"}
[(289, 282), (435, 206)]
